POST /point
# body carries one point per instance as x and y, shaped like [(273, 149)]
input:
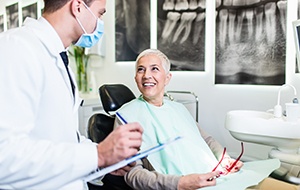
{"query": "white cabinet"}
[(91, 105)]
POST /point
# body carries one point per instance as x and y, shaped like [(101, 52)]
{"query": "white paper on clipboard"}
[(127, 161)]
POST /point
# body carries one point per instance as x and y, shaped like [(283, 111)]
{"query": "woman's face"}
[(151, 79)]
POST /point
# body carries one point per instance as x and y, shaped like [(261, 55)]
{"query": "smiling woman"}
[(163, 119), (152, 75), (179, 167)]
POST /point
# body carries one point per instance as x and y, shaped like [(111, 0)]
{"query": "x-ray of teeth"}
[(29, 11), (250, 42), (181, 33), (132, 28), (1, 23), (298, 9), (12, 16)]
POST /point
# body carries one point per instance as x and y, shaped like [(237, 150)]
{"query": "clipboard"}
[(129, 160)]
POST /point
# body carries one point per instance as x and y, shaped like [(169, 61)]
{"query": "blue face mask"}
[(88, 40)]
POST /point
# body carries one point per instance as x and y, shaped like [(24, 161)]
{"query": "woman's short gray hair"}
[(164, 59)]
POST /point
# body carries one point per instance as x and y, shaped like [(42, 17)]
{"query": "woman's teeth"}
[(148, 84)]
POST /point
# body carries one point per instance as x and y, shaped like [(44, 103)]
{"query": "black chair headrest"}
[(113, 96)]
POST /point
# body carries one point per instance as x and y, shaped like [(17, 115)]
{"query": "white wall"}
[(215, 100)]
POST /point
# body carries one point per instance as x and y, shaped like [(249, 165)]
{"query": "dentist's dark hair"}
[(51, 6)]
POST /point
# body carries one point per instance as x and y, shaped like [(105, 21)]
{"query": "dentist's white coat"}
[(38, 115)]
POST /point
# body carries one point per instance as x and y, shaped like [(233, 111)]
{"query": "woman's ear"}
[(168, 78)]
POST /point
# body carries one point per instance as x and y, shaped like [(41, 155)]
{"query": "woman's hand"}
[(124, 170), (196, 181), (227, 163)]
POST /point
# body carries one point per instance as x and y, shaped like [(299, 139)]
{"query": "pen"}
[(121, 118)]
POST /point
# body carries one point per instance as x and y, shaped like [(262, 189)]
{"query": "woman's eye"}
[(155, 69), (140, 69)]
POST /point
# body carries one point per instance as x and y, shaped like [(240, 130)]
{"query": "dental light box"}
[(296, 29)]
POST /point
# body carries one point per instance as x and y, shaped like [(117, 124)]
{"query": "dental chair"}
[(112, 96)]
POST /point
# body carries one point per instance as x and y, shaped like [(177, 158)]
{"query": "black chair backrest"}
[(99, 126), (113, 96)]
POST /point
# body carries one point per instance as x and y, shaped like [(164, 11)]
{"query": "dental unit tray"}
[(138, 156)]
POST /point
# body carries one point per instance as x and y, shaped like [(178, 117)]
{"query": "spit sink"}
[(263, 128)]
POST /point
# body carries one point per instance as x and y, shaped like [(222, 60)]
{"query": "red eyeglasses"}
[(235, 162)]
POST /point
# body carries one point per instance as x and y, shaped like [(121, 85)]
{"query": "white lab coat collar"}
[(48, 36), (54, 46)]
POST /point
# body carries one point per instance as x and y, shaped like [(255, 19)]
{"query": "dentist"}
[(40, 147)]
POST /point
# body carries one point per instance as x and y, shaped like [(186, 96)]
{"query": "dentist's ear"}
[(76, 7)]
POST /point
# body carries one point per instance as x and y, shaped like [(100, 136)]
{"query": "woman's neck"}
[(156, 102)]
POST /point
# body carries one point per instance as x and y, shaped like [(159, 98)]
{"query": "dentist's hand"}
[(196, 181), (121, 143)]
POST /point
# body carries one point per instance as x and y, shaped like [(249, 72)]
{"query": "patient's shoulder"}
[(174, 104)]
